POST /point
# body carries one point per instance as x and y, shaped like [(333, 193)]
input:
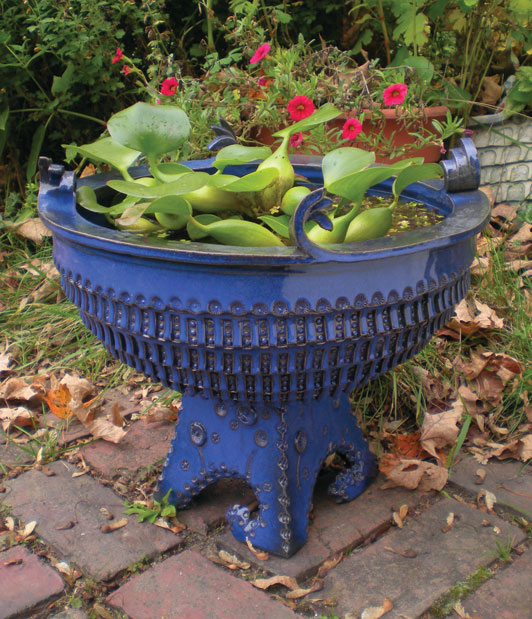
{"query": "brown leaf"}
[(18, 390), (278, 579), (28, 529), (480, 317), (448, 523), (231, 561), (417, 474), (440, 429), (34, 230), (397, 519), (329, 564), (316, 585), (489, 498), (480, 476), (6, 360), (374, 612), (11, 562), (17, 416), (403, 511), (409, 553), (66, 526), (104, 429), (260, 554), (491, 91), (113, 526)]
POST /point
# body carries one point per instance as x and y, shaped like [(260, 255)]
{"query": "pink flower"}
[(395, 94), (118, 56), (260, 54), (169, 86), (158, 102), (352, 127), (300, 107), (264, 81), (468, 132), (126, 69), (296, 140)]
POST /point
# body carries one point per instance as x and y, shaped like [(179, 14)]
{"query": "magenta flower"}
[(296, 140), (169, 86), (352, 127), (118, 56), (126, 69), (260, 54), (395, 94), (300, 107), (264, 81)]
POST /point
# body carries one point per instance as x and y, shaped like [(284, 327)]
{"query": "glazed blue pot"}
[(265, 344)]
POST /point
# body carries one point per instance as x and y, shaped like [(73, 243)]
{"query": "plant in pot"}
[(263, 310)]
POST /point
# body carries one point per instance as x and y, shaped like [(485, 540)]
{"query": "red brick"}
[(189, 586), (334, 527), (506, 596), (27, 584), (145, 444), (413, 584), (54, 502), (510, 482)]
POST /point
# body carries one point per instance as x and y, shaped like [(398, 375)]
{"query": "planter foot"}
[(277, 450)]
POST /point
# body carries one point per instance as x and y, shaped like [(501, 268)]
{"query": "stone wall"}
[(505, 164)]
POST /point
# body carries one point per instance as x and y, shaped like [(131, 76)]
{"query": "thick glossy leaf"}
[(221, 180), (171, 171), (86, 197), (175, 212), (107, 151), (120, 207), (414, 174), (186, 183), (355, 186), (152, 129), (277, 224), (339, 164), (236, 153), (324, 114), (256, 181)]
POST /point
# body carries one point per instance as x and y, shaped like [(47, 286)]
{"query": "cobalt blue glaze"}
[(265, 344)]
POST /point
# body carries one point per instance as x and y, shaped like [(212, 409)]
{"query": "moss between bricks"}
[(445, 603)]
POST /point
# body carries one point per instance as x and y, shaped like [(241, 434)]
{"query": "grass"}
[(46, 335)]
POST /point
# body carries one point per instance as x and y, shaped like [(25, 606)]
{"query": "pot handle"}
[(461, 170), (54, 175)]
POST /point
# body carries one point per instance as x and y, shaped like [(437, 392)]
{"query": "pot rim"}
[(466, 215)]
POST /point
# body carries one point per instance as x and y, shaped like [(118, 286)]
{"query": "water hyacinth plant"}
[(253, 210)]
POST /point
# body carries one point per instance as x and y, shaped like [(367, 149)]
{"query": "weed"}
[(159, 510), (445, 604)]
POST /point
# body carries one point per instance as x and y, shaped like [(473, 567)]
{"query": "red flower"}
[(352, 127), (169, 86), (300, 107), (394, 94), (118, 57), (296, 140), (260, 54), (126, 69), (264, 81)]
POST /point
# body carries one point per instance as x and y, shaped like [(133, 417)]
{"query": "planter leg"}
[(278, 451)]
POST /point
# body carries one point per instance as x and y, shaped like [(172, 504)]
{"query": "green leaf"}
[(178, 209), (188, 182), (236, 154), (255, 181), (36, 144), (414, 174), (61, 84), (424, 68), (340, 163), (324, 114), (86, 197), (278, 224), (120, 207), (107, 150), (4, 115), (355, 186), (152, 129)]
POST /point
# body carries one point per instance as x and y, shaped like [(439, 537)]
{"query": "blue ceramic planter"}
[(265, 344)]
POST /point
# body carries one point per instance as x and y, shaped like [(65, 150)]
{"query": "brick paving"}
[(177, 578), (25, 582)]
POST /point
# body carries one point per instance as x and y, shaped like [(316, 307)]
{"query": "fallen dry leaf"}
[(6, 361), (260, 554), (480, 476), (440, 429), (460, 611), (374, 612), (33, 229), (113, 526), (18, 390), (403, 511), (230, 561), (28, 529), (65, 527), (266, 583), (414, 474), (11, 562), (397, 520), (409, 553), (329, 564), (468, 320), (17, 416), (316, 585), (489, 498), (449, 521)]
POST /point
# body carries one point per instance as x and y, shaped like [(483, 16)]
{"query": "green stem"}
[(380, 11), (210, 31)]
